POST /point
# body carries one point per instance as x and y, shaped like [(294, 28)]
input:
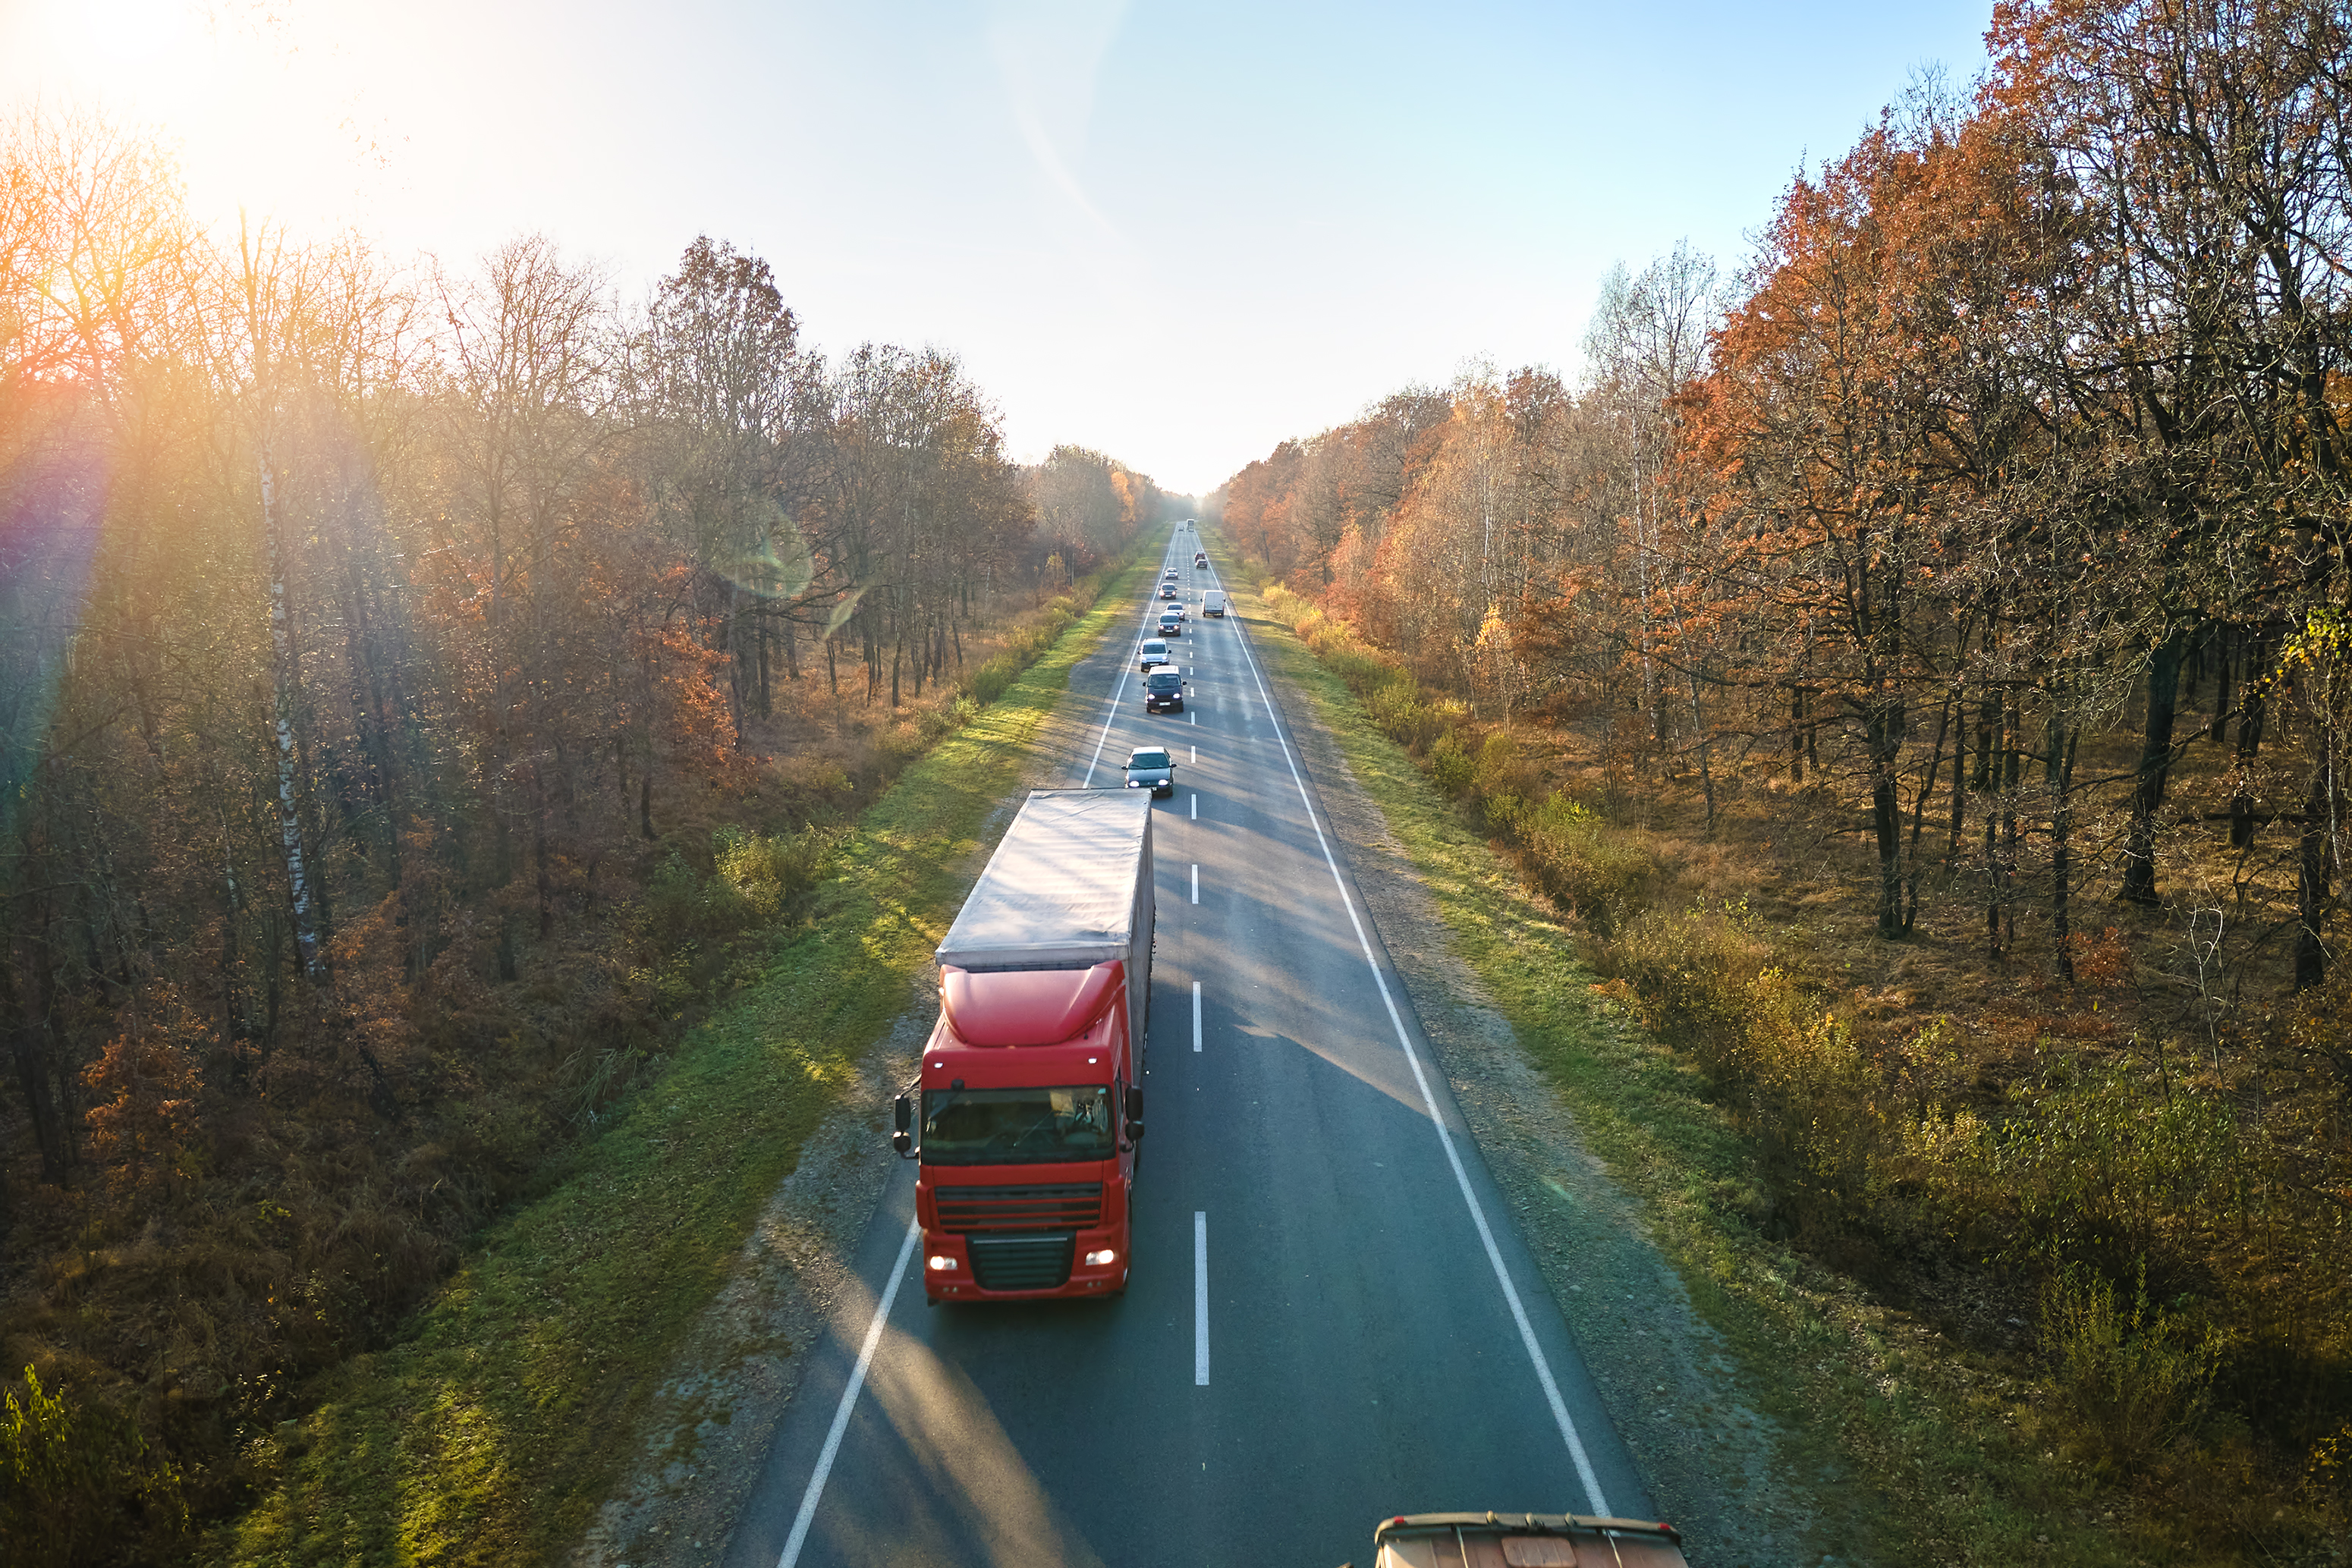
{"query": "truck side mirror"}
[(902, 1118), (1134, 1112)]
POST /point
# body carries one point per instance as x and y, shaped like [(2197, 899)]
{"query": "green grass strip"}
[(493, 1433), (1904, 1460)]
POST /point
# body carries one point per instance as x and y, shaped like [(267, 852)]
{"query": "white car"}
[(1154, 652)]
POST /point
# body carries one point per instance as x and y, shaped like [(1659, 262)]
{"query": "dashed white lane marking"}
[(1196, 800), (1446, 1139), (1200, 1299), (831, 1450), (1196, 883), (1196, 1017), (1196, 751), (1111, 712)]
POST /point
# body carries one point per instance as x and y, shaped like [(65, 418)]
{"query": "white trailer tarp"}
[(1069, 887)]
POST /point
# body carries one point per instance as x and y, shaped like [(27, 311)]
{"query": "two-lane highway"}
[(1331, 1317)]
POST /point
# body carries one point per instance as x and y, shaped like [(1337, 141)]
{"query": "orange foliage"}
[(145, 1082)]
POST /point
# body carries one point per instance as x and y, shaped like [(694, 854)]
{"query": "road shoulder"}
[(1716, 1463)]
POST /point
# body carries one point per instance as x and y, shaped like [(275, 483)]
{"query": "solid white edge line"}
[(1196, 1015), (1452, 1157), (807, 1515), (1200, 1299)]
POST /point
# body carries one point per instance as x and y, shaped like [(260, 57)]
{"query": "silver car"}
[(1154, 652)]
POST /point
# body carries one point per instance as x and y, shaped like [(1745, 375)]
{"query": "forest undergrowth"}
[(2075, 1252), (411, 1307)]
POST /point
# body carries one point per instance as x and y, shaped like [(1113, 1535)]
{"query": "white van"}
[(1214, 601)]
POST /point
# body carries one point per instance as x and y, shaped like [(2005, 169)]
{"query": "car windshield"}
[(1162, 681), (1149, 759), (1017, 1126), (1155, 646)]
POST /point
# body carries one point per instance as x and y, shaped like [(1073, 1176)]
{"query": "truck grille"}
[(1018, 1207), (1022, 1262)]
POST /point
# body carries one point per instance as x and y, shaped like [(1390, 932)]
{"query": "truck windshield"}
[(1017, 1126)]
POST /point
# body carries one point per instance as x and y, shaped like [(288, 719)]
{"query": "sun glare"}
[(266, 116)]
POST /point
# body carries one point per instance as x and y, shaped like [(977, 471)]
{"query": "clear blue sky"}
[(1177, 233)]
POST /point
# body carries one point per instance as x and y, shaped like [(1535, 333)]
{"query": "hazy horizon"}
[(1175, 237)]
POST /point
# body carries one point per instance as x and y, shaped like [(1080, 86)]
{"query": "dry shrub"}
[(993, 676), (78, 1483), (1451, 767), (2101, 962), (1604, 875), (756, 879), (2327, 1474), (1397, 711), (145, 1089), (772, 874), (2109, 1163), (2134, 1377), (1692, 973)]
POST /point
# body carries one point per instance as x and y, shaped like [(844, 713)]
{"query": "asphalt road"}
[(1331, 1319)]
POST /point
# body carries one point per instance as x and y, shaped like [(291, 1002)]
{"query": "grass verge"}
[(492, 1433), (1907, 1449)]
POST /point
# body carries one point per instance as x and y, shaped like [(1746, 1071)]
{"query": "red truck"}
[(1031, 1094)]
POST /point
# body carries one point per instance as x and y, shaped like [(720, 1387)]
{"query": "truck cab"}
[(1028, 1114), (1031, 1117)]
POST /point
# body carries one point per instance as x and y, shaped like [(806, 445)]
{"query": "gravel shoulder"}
[(1710, 1460)]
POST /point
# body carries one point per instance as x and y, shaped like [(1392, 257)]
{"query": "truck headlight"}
[(939, 1262), (1101, 1260)]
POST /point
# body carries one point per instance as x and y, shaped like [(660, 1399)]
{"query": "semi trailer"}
[(1027, 1116)]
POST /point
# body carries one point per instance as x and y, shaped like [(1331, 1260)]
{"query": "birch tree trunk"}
[(284, 679)]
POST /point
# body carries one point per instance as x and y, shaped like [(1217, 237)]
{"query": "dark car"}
[(1151, 769), (1167, 590), (1163, 690), (1171, 623)]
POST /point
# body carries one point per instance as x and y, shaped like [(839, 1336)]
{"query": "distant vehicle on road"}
[(1150, 768), (1213, 602), (1171, 623), (1167, 590), (1031, 1113), (1524, 1541), (1163, 690), (1153, 652), (1199, 558)]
